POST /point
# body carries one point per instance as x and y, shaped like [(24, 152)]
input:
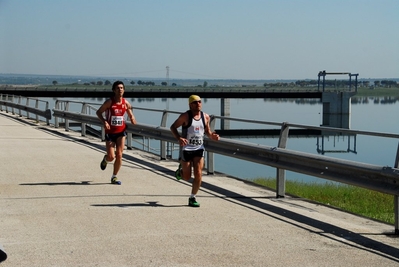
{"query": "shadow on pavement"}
[(327, 230)]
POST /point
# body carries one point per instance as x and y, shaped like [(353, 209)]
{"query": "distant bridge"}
[(167, 92)]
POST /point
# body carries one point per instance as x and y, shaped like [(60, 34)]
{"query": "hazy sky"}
[(203, 39)]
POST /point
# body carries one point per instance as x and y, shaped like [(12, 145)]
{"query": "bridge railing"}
[(26, 106), (383, 179)]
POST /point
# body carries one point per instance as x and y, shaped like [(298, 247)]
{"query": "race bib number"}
[(196, 141), (117, 120)]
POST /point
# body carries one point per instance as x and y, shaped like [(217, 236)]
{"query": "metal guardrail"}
[(9, 101), (374, 177)]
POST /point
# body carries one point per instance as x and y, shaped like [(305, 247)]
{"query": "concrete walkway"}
[(57, 208)]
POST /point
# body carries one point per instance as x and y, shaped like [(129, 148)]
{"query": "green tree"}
[(205, 84), (55, 82)]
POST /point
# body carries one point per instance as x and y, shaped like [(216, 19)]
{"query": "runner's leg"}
[(198, 163), (120, 145), (110, 147)]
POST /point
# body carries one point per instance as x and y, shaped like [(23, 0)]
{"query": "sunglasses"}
[(196, 102)]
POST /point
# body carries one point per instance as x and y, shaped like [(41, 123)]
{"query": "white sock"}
[(192, 195)]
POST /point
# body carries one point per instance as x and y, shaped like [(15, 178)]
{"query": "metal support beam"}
[(280, 175)]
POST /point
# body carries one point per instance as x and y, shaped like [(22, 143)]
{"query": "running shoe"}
[(114, 180), (192, 202), (178, 173), (103, 163)]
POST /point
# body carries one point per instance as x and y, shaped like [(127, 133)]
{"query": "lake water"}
[(365, 115)]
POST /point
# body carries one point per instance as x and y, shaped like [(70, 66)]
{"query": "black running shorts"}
[(114, 137), (190, 155)]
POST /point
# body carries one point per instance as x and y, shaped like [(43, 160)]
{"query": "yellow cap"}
[(193, 98)]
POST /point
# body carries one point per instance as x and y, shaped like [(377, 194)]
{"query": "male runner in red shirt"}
[(114, 123)]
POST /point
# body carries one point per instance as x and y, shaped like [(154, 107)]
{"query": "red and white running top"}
[(116, 118)]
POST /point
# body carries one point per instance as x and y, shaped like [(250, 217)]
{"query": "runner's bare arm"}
[(180, 121), (106, 105), (211, 135), (130, 113)]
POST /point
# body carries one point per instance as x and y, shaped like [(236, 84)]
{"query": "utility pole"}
[(167, 74), (167, 81)]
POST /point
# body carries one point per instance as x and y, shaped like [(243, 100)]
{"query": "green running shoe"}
[(114, 180), (178, 173), (103, 163), (192, 202)]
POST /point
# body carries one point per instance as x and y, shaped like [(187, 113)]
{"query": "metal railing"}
[(374, 177), (26, 108)]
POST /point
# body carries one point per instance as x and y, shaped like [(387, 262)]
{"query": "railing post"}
[(210, 162), (27, 104), (280, 173), (67, 120), (37, 106), (83, 124), (6, 105), (163, 143), (57, 106), (129, 141), (12, 109), (47, 120), (19, 102), (396, 198)]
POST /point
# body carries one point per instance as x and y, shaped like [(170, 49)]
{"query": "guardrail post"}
[(12, 109), (19, 102), (37, 107), (129, 141), (163, 145), (83, 124), (27, 104), (47, 120), (56, 122), (7, 97), (280, 173), (210, 162), (67, 120), (396, 198)]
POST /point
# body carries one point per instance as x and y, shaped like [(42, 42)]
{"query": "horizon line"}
[(163, 78)]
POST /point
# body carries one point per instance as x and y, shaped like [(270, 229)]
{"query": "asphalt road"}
[(57, 208)]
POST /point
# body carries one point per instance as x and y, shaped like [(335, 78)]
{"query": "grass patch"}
[(364, 202), (380, 91)]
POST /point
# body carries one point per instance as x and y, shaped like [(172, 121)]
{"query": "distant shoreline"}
[(81, 82)]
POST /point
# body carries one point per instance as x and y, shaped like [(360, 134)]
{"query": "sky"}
[(207, 39)]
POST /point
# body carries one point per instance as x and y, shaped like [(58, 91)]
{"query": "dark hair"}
[(116, 83)]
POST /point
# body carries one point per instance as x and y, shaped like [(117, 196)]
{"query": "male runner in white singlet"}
[(195, 124)]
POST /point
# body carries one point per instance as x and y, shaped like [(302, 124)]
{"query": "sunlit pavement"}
[(57, 208)]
